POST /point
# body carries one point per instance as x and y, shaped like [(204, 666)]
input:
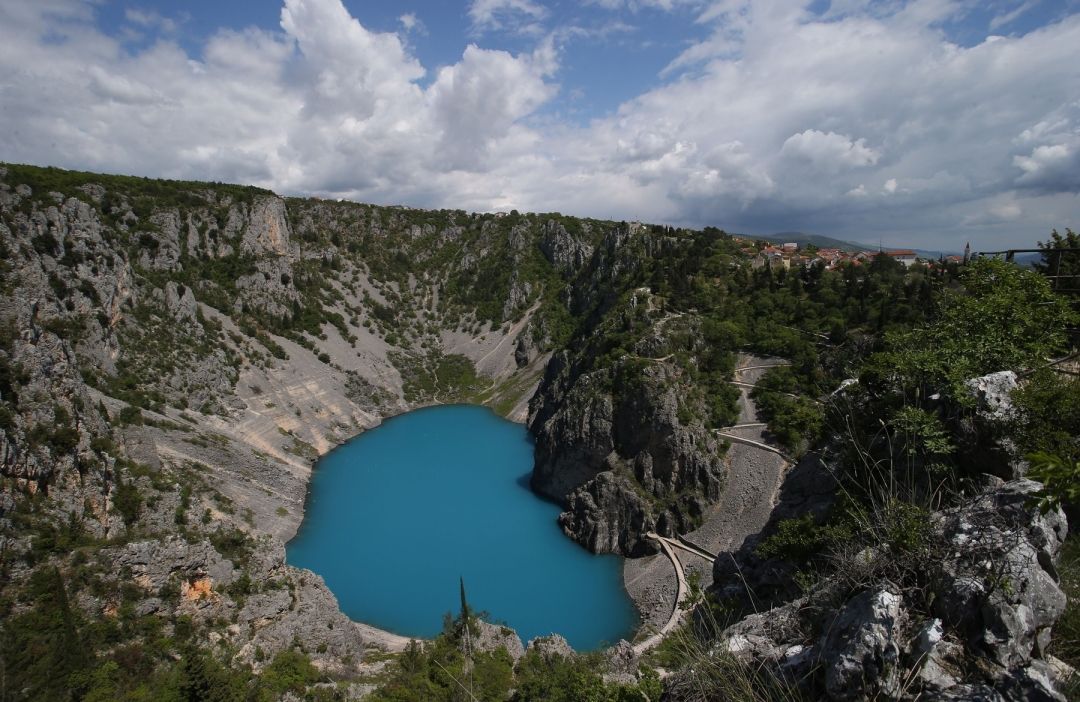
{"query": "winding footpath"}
[(756, 470), (666, 545)]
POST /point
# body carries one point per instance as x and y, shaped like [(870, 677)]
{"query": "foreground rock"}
[(974, 625)]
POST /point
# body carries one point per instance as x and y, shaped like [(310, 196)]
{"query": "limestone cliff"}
[(622, 440), (173, 356)]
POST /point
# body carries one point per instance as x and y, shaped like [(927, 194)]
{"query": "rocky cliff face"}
[(174, 356), (614, 451), (620, 440)]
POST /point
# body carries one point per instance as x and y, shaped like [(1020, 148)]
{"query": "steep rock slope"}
[(175, 355)]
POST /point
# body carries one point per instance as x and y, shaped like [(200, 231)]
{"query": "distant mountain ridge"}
[(818, 240)]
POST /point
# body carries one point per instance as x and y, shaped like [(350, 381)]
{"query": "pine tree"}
[(464, 603)]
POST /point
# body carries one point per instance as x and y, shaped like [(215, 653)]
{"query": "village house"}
[(905, 256)]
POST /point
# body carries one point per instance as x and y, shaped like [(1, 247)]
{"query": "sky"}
[(923, 123)]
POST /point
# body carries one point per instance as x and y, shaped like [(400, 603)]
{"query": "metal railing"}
[(1067, 284), (1053, 258)]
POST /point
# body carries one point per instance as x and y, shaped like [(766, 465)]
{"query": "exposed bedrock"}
[(618, 458)]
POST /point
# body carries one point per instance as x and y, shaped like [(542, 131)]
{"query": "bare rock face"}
[(283, 605), (520, 293), (54, 407), (160, 245), (180, 301), (269, 290), (565, 251), (553, 646), (573, 443), (623, 660), (267, 230), (154, 563), (606, 515), (492, 637)]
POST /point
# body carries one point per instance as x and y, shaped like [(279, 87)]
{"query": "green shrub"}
[(290, 671), (127, 501), (130, 415), (1060, 479), (1048, 414)]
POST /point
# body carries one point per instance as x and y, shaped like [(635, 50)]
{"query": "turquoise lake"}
[(395, 516)]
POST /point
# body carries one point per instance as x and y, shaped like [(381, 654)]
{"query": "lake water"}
[(395, 516)]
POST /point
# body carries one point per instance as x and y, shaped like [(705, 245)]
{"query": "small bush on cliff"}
[(127, 501), (1048, 414), (290, 671)]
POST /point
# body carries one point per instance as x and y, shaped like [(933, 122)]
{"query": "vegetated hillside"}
[(174, 355)]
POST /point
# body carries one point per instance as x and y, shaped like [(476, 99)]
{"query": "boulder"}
[(860, 651), (1000, 584), (607, 515), (982, 437), (623, 660)]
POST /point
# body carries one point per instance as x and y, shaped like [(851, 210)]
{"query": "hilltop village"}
[(794, 255)]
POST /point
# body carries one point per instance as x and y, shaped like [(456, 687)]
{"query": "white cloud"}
[(1053, 167), (478, 101), (496, 14), (829, 152), (120, 89), (1007, 211), (150, 20), (1006, 18), (412, 24), (867, 123)]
